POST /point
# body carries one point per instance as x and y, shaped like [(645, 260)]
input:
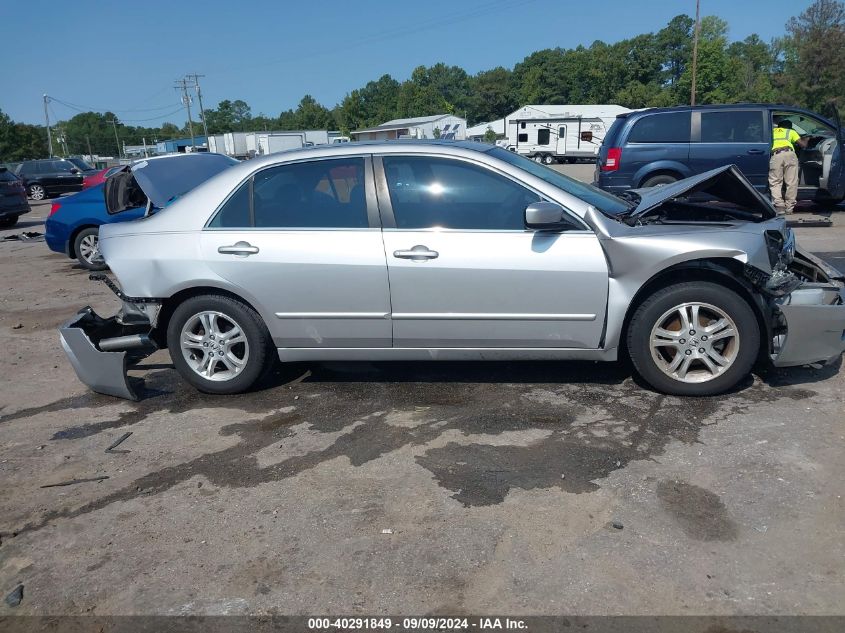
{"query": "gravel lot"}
[(499, 483)]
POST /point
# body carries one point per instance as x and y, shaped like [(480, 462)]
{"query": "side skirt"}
[(298, 354)]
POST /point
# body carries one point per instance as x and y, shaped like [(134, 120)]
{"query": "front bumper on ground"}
[(102, 350), (814, 319)]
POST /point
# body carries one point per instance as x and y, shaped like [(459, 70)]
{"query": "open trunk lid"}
[(159, 180)]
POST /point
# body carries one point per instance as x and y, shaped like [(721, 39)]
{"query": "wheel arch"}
[(672, 168), (720, 270), (169, 305)]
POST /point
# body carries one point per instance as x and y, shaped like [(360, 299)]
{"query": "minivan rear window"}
[(663, 127)]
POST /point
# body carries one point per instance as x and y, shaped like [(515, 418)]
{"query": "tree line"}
[(804, 67)]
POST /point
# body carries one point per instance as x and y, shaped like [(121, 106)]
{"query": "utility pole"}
[(186, 99), (695, 50), (116, 140), (196, 79), (47, 119)]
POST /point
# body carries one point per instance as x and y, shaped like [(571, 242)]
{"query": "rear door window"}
[(732, 126), (664, 127), (316, 194)]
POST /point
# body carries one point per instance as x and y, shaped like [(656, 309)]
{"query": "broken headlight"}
[(781, 248)]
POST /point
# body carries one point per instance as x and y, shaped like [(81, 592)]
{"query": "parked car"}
[(47, 178), (100, 176), (455, 251), (13, 203), (73, 225), (656, 146)]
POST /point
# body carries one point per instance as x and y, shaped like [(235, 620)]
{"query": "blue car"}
[(74, 222), (657, 146)]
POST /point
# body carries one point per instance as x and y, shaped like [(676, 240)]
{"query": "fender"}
[(656, 166)]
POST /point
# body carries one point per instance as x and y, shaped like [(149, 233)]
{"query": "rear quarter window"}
[(663, 127)]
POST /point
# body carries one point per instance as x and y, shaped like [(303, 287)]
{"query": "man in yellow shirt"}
[(783, 166)]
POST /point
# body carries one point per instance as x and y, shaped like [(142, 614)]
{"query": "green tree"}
[(814, 55), (20, 141)]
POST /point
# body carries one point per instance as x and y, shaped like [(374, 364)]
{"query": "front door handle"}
[(418, 253), (756, 151), (238, 248)]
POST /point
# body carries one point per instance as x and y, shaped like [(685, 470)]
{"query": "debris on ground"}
[(25, 236), (72, 482), (616, 525), (15, 596), (117, 443), (17, 326), (809, 222), (387, 531)]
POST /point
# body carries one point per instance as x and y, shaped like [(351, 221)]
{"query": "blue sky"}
[(125, 56)]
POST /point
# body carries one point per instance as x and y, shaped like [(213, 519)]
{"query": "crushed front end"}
[(806, 297), (102, 350)]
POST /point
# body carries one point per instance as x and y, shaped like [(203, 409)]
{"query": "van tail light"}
[(55, 207), (614, 156)]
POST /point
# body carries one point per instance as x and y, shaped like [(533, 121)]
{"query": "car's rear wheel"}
[(548, 159), (694, 339), (9, 220), (659, 179), (86, 246), (219, 344), (36, 191)]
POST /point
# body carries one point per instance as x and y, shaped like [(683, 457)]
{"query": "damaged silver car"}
[(456, 251)]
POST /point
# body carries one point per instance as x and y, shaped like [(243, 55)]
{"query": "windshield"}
[(601, 200)]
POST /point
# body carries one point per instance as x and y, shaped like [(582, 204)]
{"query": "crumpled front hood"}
[(159, 180), (724, 183)]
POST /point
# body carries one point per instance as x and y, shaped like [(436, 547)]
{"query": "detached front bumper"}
[(102, 350), (811, 323)]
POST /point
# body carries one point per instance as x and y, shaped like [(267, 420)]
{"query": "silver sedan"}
[(453, 251)]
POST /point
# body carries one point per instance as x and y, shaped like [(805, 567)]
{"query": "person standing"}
[(783, 166)]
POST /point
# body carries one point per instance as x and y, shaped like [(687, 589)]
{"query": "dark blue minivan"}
[(657, 146)]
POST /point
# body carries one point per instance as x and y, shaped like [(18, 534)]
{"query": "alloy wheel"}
[(36, 192), (694, 342), (89, 249), (214, 345)]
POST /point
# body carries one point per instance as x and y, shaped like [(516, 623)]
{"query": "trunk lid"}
[(160, 180)]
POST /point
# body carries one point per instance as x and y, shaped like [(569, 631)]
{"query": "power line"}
[(81, 108)]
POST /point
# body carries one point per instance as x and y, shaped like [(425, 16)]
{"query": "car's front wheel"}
[(86, 246), (219, 344), (36, 191), (694, 339)]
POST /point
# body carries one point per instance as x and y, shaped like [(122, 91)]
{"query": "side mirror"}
[(543, 215), (74, 170)]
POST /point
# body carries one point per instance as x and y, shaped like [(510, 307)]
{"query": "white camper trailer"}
[(554, 133)]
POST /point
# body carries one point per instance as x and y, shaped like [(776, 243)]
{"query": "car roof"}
[(716, 106)]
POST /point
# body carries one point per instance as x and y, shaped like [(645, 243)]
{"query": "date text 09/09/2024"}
[(416, 624)]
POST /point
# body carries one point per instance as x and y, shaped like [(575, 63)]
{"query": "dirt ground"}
[(411, 488)]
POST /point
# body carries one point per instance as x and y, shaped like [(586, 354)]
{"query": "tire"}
[(86, 248), (194, 336), (537, 158), (658, 319), (659, 179), (548, 159), (36, 191), (9, 221)]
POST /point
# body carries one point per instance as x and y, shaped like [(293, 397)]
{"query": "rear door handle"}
[(418, 253), (238, 248), (756, 151)]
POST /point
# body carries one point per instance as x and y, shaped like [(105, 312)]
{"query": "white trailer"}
[(235, 144), (551, 134), (270, 143), (216, 144)]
